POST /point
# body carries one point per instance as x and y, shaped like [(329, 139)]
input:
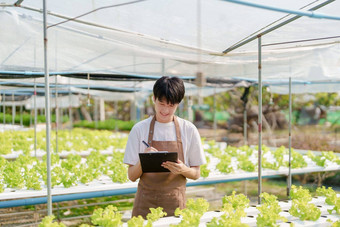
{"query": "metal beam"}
[(237, 45)]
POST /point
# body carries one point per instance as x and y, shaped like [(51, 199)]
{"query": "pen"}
[(146, 144)]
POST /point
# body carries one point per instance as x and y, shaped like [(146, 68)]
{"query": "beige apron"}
[(166, 189)]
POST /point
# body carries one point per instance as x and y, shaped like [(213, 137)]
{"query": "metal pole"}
[(190, 112), (70, 105), (133, 108), (215, 122), (35, 118), (3, 108), (245, 125), (35, 104), (260, 122), (116, 114), (21, 120), (56, 114), (56, 94), (31, 114), (96, 113), (48, 113), (13, 110), (290, 138), (247, 40)]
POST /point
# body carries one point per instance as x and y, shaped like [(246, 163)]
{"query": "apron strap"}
[(178, 131), (178, 136), (151, 130), (179, 140)]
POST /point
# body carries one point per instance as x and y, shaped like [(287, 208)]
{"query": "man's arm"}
[(134, 171)]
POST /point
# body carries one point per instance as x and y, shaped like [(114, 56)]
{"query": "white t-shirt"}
[(191, 140)]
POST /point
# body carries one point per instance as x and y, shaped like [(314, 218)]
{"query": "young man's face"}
[(164, 111)]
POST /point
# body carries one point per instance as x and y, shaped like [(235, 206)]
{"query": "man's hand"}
[(180, 168), (150, 149), (176, 168)]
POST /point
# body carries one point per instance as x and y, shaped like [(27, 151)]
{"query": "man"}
[(164, 132)]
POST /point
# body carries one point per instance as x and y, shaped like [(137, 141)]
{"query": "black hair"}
[(170, 89)]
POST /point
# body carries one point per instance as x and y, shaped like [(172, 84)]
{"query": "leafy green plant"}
[(297, 160), (300, 207), (239, 201), (230, 218), (334, 224), (48, 222), (233, 208), (336, 207), (304, 210), (245, 164), (279, 153), (193, 212), (154, 215), (329, 193), (269, 211), (224, 166), (270, 165), (136, 221), (318, 159), (108, 217)]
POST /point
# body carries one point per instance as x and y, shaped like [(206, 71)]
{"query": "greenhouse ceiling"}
[(163, 37)]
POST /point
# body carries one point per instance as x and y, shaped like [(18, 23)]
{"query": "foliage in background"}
[(110, 124), (27, 119)]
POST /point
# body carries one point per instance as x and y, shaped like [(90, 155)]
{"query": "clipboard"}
[(151, 162)]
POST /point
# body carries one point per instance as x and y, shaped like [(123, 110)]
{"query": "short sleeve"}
[(196, 153), (132, 148)]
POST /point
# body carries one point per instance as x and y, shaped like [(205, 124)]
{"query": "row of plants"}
[(31, 173), (234, 208), (75, 140), (74, 170), (271, 159), (28, 119)]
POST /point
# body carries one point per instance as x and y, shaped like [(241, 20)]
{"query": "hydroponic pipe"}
[(68, 197), (88, 195)]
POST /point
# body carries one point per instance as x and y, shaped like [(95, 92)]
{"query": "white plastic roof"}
[(159, 37)]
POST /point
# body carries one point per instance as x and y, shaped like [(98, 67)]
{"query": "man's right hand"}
[(150, 149)]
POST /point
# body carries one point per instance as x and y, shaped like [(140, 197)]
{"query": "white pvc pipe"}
[(48, 114), (259, 122)]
